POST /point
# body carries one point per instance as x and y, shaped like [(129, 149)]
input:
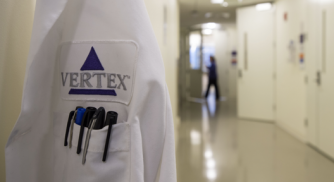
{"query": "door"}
[(313, 50), (256, 68), (326, 74), (321, 76)]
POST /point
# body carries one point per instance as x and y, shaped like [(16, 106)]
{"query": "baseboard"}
[(292, 131)]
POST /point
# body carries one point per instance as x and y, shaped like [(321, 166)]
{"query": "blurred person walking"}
[(212, 77)]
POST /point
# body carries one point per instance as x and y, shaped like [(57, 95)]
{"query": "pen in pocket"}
[(70, 117), (111, 119), (85, 123), (98, 114)]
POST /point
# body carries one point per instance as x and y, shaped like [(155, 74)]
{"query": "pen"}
[(80, 114), (85, 123), (68, 127), (96, 115), (110, 120), (69, 124), (100, 120)]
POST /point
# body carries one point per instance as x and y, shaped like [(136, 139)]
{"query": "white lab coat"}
[(142, 142)]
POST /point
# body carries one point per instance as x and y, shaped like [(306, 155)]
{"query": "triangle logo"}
[(92, 62)]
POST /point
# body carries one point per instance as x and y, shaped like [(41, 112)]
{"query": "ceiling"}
[(194, 12)]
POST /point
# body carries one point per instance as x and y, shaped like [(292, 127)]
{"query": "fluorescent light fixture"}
[(217, 1), (207, 31), (263, 7), (210, 25), (225, 4)]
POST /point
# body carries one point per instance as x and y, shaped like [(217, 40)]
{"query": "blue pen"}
[(80, 114)]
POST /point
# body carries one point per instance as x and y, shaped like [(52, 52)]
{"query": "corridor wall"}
[(303, 71), (290, 24), (16, 20)]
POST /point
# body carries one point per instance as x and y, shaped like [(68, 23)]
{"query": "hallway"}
[(214, 145)]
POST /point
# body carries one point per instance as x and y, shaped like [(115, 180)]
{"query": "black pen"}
[(110, 120), (100, 111), (99, 124), (69, 124), (85, 123)]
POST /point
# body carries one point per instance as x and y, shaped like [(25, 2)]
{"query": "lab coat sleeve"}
[(167, 172)]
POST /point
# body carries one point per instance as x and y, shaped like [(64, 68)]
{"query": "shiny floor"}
[(214, 145)]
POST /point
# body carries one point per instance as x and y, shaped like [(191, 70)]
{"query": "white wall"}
[(16, 18), (304, 108), (290, 74)]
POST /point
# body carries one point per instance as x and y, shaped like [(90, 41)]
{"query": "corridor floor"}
[(213, 145)]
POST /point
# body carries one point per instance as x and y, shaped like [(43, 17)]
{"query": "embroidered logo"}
[(79, 81), (97, 70)]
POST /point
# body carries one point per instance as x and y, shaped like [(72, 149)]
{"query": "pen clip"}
[(70, 117), (111, 119), (68, 127), (98, 113), (85, 123), (99, 124)]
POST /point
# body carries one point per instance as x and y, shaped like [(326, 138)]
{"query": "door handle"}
[(318, 80)]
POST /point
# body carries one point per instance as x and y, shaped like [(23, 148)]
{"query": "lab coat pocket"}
[(68, 164)]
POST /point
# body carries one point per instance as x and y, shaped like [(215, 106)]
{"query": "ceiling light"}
[(217, 1), (210, 25), (225, 4), (240, 1), (207, 31), (263, 6)]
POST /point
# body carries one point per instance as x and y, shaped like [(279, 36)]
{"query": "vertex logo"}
[(92, 79)]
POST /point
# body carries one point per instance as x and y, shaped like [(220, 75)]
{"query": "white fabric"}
[(142, 144)]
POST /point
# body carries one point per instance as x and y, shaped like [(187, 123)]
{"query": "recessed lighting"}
[(207, 31), (210, 25), (263, 6), (225, 4), (217, 1)]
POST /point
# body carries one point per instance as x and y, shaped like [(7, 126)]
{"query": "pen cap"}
[(100, 115), (80, 114), (78, 107), (88, 116), (111, 118)]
